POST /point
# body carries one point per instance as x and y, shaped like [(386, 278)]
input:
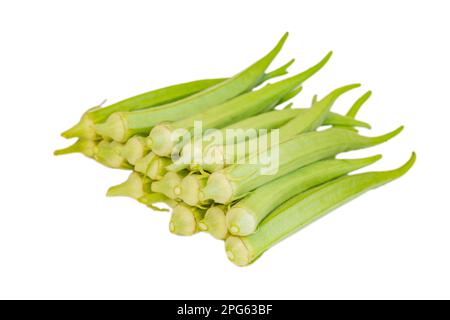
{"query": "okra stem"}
[(168, 185), (135, 187), (185, 219), (135, 148), (110, 155), (84, 146), (214, 222), (190, 187)]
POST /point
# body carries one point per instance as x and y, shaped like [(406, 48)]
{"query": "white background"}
[(60, 237)]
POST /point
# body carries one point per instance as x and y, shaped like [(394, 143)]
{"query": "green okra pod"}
[(216, 157), (305, 208), (136, 186), (169, 184), (244, 216), (163, 137), (85, 127), (214, 222), (235, 181), (122, 125), (185, 219)]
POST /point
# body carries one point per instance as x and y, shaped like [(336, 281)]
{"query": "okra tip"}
[(314, 69), (358, 104), (405, 167), (281, 71), (335, 94), (388, 136)]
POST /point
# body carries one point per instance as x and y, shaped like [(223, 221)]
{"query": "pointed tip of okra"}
[(314, 100), (278, 47), (406, 166), (333, 95), (290, 63), (314, 69), (364, 162), (358, 104), (375, 158), (388, 136), (281, 71), (363, 124)]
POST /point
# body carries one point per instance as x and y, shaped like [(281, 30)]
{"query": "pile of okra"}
[(245, 192)]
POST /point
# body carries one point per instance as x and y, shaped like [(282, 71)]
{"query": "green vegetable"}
[(122, 125), (84, 146), (135, 146), (255, 175), (85, 127), (152, 166), (269, 120), (136, 186), (355, 109), (277, 118), (110, 155), (138, 145), (168, 184), (190, 187), (215, 157), (163, 137), (243, 218), (185, 219), (304, 209), (142, 165), (134, 149), (214, 222), (235, 181)]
